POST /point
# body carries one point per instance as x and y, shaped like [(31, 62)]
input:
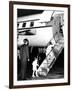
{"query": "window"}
[(17, 24), (32, 24), (24, 24)]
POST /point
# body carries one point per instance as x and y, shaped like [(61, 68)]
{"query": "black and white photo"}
[(40, 44), (43, 57)]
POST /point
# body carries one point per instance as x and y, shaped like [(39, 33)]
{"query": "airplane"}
[(39, 28)]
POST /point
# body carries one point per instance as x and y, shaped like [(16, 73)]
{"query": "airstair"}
[(51, 58)]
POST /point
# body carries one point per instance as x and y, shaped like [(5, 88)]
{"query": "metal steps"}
[(50, 58)]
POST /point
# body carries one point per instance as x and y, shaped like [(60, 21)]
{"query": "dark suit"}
[(24, 54), (41, 57)]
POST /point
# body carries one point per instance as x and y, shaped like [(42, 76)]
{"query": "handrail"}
[(51, 51)]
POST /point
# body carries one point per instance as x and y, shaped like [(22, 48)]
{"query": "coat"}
[(24, 55)]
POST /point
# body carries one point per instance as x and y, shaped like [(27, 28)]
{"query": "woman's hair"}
[(26, 40)]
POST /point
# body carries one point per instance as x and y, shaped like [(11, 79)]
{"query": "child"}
[(35, 66)]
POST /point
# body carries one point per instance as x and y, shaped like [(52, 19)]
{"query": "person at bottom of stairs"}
[(35, 67)]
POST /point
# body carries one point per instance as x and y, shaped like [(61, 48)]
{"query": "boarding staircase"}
[(50, 59)]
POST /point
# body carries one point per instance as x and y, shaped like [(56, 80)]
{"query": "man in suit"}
[(24, 55)]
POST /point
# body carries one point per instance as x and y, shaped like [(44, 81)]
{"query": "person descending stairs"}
[(52, 52)]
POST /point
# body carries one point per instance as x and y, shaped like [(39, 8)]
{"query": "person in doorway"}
[(41, 56)]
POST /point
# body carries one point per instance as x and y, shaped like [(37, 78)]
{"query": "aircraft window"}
[(17, 24), (24, 24), (32, 24)]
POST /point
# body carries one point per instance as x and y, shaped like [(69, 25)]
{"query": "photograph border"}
[(11, 3)]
